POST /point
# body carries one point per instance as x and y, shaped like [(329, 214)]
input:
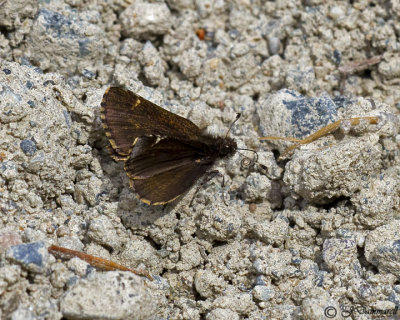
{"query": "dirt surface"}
[(313, 236)]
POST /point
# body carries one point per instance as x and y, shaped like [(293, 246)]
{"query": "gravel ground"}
[(313, 236)]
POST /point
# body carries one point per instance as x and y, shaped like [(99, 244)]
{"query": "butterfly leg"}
[(207, 177)]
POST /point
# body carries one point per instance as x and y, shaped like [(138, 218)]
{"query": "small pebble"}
[(28, 146)]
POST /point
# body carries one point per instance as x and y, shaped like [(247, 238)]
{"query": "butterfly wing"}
[(168, 185), (127, 116), (164, 171)]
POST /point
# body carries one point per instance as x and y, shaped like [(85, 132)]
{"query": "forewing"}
[(127, 116)]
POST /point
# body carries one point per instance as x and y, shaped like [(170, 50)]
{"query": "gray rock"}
[(257, 187), (222, 314), (287, 113), (137, 252), (238, 302), (271, 232), (395, 298), (14, 12), (339, 253), (221, 224), (8, 170), (73, 243), (324, 170), (76, 44), (300, 77), (153, 66), (263, 293), (53, 139), (382, 247), (208, 284), (111, 295), (190, 63), (31, 256), (13, 107), (378, 200), (102, 231), (23, 313), (272, 263), (145, 19)]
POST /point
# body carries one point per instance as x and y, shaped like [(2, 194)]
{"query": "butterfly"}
[(164, 154)]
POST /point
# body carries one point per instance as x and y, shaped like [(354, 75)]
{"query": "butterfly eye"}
[(225, 149)]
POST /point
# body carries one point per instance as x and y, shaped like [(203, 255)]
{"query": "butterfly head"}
[(226, 147)]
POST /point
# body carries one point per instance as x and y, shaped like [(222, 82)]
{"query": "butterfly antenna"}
[(246, 161), (238, 115), (255, 152)]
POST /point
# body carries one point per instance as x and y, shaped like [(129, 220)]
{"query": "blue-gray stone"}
[(31, 256), (72, 281), (388, 256), (337, 56), (304, 111), (67, 118), (23, 313), (29, 85), (344, 234), (260, 281), (31, 103), (395, 298), (28, 146), (396, 245), (234, 34), (274, 45), (320, 277), (263, 293), (7, 165), (88, 74), (8, 170), (56, 24), (83, 47), (47, 82), (258, 267)]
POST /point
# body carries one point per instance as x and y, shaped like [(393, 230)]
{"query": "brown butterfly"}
[(164, 154)]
